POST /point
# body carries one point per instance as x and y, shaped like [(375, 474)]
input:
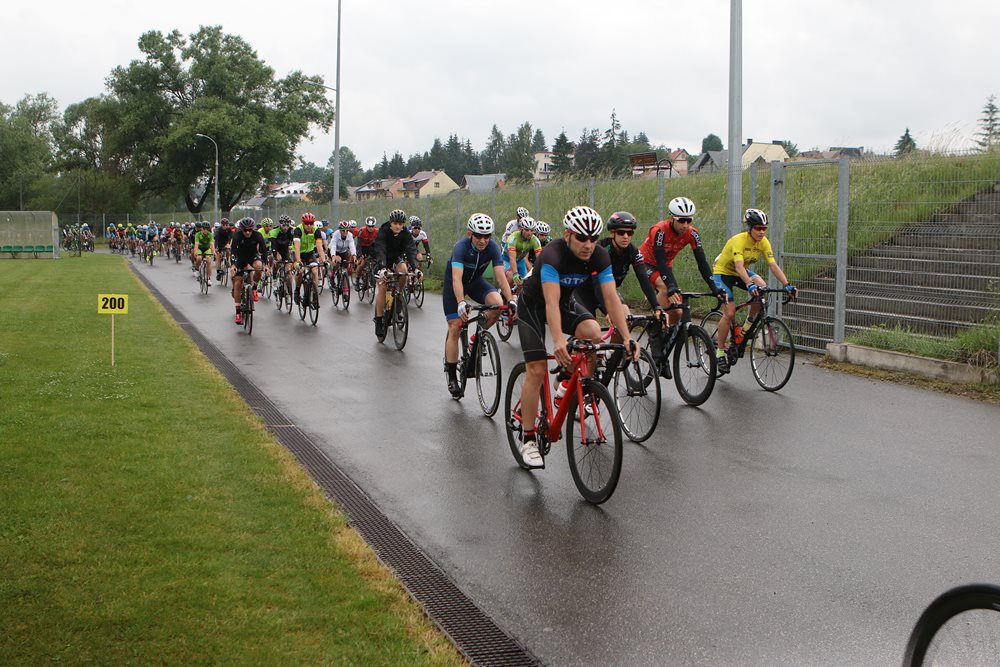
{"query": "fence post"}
[(753, 186), (592, 187), (661, 186), (777, 216), (840, 296), (493, 202), (458, 214), (538, 200)]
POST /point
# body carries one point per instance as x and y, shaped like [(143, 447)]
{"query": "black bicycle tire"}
[(345, 286), (709, 373), (400, 323), (619, 379), (334, 293), (418, 294), (463, 347), (488, 344), (945, 607), (515, 381), (762, 328), (248, 315), (314, 305), (575, 453), (504, 326)]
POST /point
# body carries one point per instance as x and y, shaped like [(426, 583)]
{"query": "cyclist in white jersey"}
[(341, 244)]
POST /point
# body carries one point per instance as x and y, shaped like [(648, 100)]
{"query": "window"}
[(437, 184)]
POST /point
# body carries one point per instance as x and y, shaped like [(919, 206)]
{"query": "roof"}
[(254, 202), (418, 179), (484, 182)]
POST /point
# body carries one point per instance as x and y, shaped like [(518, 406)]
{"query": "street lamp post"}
[(218, 213), (336, 131)]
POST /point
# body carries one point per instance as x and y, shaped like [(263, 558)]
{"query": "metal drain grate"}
[(472, 632)]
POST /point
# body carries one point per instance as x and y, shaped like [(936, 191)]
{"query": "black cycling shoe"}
[(721, 366), (454, 388), (665, 370), (380, 327)]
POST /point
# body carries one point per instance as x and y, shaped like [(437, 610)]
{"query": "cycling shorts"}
[(531, 325), (522, 268), (240, 265), (204, 252), (283, 252), (728, 282), (477, 290)]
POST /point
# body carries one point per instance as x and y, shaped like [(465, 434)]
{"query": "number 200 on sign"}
[(112, 304)]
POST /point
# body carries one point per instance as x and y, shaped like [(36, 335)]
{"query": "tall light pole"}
[(218, 213), (336, 130)]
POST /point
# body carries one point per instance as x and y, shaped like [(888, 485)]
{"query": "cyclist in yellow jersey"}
[(732, 268)]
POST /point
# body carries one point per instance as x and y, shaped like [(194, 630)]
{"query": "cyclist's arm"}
[(427, 246), (660, 253), (297, 244), (703, 266), (741, 270), (501, 280), (778, 273), (642, 275), (411, 252), (457, 269), (613, 306)]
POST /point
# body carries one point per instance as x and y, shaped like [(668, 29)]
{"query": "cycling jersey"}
[(742, 247), (661, 247), (473, 263), (366, 236), (524, 247), (391, 247), (246, 248), (307, 241), (621, 261), (422, 238), (281, 237), (511, 227), (223, 237), (558, 264), (203, 240), (340, 245)]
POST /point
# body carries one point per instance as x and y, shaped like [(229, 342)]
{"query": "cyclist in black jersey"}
[(281, 240), (223, 240), (394, 246), (574, 261), (248, 249)]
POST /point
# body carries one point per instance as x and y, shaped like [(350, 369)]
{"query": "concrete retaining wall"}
[(900, 361)]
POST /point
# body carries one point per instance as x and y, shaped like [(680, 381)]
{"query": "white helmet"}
[(542, 228), (217, 225), (353, 223), (370, 221), (522, 212), (526, 222), (682, 207), (480, 223), (583, 220)]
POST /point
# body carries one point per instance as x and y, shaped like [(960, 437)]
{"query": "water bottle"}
[(738, 334)]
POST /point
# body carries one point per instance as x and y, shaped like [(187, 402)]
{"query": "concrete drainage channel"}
[(477, 637)]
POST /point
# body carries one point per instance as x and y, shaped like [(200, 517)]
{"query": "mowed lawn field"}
[(147, 516)]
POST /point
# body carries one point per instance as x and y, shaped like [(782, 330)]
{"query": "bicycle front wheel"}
[(595, 458), (488, 373), (694, 365), (961, 627), (418, 294), (313, 305), (637, 397), (772, 354), (248, 315), (504, 326), (345, 286), (334, 292), (512, 411), (400, 323)]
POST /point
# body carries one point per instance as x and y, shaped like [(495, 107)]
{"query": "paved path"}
[(807, 527)]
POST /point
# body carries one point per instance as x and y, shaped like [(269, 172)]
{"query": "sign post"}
[(112, 304)]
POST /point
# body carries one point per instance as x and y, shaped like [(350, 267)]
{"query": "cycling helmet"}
[(542, 228), (111, 226), (267, 222), (415, 221), (308, 219), (527, 223), (85, 226), (324, 222), (583, 220), (219, 224), (246, 223), (353, 224), (622, 220), (370, 221), (284, 220), (344, 224), (755, 217), (522, 212), (224, 221), (398, 215), (682, 207), (480, 223)]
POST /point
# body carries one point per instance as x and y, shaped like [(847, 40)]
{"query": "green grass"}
[(148, 517), (976, 346)]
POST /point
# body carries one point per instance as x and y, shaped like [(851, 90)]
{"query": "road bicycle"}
[(395, 316), (415, 286), (772, 350), (227, 263), (363, 280), (205, 272), (595, 454), (635, 385), (308, 295), (246, 299), (284, 287), (508, 319), (340, 284), (324, 273), (960, 627), (690, 345), (265, 286), (481, 360)]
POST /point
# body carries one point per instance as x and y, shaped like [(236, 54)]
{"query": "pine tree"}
[(562, 160), (989, 123), (538, 142), (519, 159), (492, 155), (905, 144)]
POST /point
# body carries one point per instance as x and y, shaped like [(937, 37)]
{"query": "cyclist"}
[(732, 268), (249, 249), (521, 246), (281, 240), (203, 248), (395, 247), (463, 278), (566, 264), (223, 241), (621, 225), (366, 241), (515, 224), (353, 225), (309, 251), (542, 231), (342, 248), (420, 236)]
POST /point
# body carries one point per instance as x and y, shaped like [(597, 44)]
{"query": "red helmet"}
[(308, 218)]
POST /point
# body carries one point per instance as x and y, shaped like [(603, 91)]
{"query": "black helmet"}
[(397, 215), (755, 218), (246, 223), (622, 220)]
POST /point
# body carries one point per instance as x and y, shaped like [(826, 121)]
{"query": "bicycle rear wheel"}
[(303, 299), (504, 326), (694, 365), (314, 305), (418, 294), (488, 373), (400, 323), (595, 458), (961, 627), (203, 276), (512, 411), (637, 397), (247, 312), (772, 354)]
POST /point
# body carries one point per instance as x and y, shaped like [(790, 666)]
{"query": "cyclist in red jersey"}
[(664, 240), (366, 240)]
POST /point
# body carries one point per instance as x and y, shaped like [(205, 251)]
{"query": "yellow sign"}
[(112, 304)]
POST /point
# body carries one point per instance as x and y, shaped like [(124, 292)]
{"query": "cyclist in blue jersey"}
[(463, 279)]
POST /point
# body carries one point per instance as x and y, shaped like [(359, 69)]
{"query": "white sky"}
[(816, 72)]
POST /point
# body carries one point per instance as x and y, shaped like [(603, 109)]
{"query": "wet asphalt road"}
[(807, 527)]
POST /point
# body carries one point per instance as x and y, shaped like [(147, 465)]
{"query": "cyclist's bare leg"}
[(492, 299), (451, 340), (534, 376)]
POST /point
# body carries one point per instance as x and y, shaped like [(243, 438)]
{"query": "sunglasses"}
[(685, 220), (583, 238), (624, 232), (759, 228), (481, 237)]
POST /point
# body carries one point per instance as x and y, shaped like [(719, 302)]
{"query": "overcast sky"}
[(816, 72)]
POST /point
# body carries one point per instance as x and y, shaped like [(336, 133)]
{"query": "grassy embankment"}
[(148, 517)]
